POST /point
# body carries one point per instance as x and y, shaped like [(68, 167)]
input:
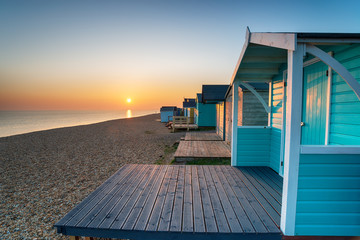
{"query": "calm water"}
[(18, 122)]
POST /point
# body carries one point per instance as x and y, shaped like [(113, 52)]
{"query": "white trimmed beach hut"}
[(312, 138)]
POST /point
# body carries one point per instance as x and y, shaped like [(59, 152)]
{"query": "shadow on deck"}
[(181, 202)]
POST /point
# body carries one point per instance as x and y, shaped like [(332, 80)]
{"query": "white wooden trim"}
[(279, 40), (330, 149), (315, 60), (328, 106), (257, 95), (253, 127), (283, 126), (242, 54), (235, 97), (292, 140), (327, 41), (224, 120), (270, 103), (338, 67)]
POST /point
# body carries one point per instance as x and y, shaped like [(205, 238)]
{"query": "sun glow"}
[(128, 114), (128, 100)]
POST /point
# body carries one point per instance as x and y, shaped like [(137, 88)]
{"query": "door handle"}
[(302, 124)]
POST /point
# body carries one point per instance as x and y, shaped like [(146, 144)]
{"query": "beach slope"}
[(43, 175)]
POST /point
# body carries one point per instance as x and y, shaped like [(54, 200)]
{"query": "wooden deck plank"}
[(164, 224), (209, 215), (215, 202), (267, 185), (176, 218), (121, 173), (159, 203), (135, 212), (202, 149), (174, 202), (188, 225), (146, 212), (225, 202), (270, 175), (109, 189), (269, 180), (248, 208), (238, 209), (274, 175), (266, 196), (131, 201), (112, 217), (199, 224), (202, 136), (257, 201), (103, 208)]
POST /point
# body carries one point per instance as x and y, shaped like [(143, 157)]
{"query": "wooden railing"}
[(182, 122)]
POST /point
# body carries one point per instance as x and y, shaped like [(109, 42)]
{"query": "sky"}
[(94, 55)]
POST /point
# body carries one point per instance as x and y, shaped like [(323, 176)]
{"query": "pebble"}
[(43, 175)]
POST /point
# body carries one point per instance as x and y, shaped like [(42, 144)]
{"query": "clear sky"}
[(96, 54)]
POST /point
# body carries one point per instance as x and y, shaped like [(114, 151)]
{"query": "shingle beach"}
[(43, 175)]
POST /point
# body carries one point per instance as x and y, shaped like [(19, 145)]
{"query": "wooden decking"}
[(181, 202), (190, 150), (202, 145), (202, 136)]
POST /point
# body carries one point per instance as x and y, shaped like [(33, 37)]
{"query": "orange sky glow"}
[(93, 55)]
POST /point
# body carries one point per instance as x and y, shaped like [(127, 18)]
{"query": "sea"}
[(19, 122)]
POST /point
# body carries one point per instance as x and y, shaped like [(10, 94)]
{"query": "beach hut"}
[(312, 138), (211, 107), (205, 114), (167, 112), (250, 109), (189, 105), (299, 174)]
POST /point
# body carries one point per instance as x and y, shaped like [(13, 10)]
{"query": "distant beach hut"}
[(167, 112), (205, 114), (210, 106), (189, 105)]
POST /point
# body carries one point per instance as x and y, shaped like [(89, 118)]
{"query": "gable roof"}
[(189, 103), (168, 108), (264, 53), (199, 97), (213, 93)]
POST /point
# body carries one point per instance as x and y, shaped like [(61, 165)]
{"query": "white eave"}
[(264, 53)]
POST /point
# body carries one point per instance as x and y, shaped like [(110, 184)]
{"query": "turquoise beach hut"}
[(167, 112), (312, 138), (207, 112)]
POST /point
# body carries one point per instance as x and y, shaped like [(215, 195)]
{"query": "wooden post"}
[(292, 139), (235, 98)]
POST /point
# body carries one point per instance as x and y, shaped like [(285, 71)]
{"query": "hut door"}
[(314, 104)]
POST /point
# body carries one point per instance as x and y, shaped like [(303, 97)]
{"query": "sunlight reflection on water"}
[(128, 114)]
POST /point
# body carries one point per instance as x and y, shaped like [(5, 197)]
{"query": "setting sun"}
[(128, 100)]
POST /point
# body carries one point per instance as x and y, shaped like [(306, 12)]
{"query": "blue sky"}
[(98, 53)]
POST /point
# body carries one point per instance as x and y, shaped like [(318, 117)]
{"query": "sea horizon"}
[(16, 122)]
